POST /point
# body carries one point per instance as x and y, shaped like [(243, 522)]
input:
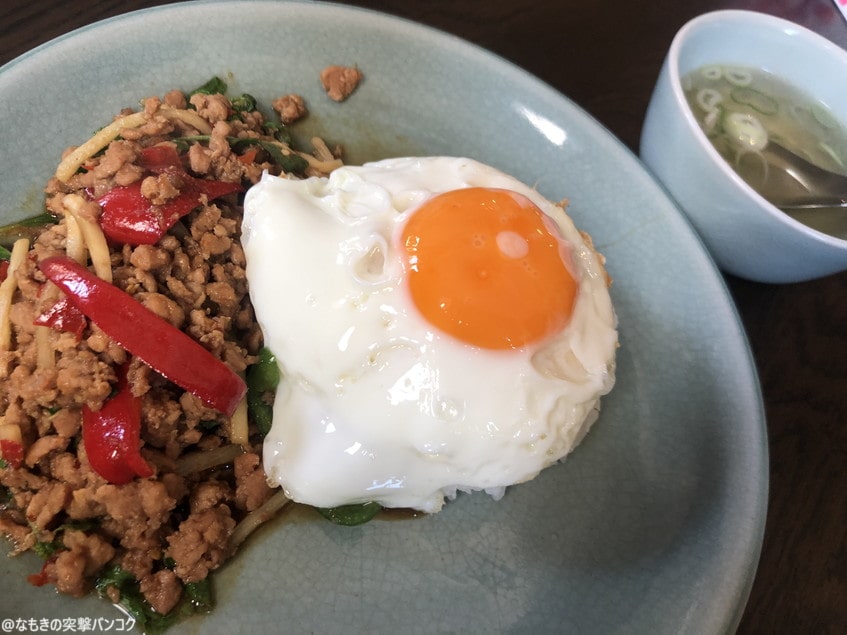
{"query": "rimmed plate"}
[(653, 525)]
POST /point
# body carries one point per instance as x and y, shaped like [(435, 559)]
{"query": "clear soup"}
[(741, 110)]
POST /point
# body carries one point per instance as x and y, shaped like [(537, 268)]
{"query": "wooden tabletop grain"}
[(605, 56)]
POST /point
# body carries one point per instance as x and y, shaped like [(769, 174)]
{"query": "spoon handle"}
[(790, 207)]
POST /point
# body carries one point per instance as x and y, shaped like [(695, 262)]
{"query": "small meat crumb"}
[(290, 108), (161, 188), (201, 543), (340, 81), (162, 590)]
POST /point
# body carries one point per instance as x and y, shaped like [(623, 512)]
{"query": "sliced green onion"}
[(708, 99), (758, 101), (710, 121), (712, 72), (738, 76), (753, 168), (746, 131), (797, 112), (824, 116)]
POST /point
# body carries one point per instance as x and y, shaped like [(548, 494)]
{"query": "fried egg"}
[(440, 327)]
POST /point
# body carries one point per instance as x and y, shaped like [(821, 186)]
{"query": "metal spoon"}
[(797, 184)]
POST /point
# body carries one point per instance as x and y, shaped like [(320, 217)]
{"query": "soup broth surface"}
[(742, 110)]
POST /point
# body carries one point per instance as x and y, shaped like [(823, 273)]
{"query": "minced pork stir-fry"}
[(134, 389)]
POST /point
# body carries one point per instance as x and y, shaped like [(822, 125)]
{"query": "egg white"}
[(376, 404)]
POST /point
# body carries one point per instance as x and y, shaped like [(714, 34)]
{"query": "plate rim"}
[(755, 403)]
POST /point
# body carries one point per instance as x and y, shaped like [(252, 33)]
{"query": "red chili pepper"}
[(4, 269), (129, 217), (155, 341), (248, 156), (112, 436), (63, 316), (159, 158), (12, 452), (41, 578)]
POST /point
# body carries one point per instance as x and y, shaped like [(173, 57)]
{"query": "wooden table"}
[(605, 56)]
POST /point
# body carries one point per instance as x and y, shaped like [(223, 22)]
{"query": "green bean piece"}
[(264, 375), (262, 378), (25, 228), (351, 515)]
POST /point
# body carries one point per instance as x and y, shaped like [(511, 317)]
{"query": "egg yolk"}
[(485, 267)]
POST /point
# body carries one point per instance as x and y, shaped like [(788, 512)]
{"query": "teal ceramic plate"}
[(653, 525)]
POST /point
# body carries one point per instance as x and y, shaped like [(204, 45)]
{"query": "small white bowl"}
[(746, 235)]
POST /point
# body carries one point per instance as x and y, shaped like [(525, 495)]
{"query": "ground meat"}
[(201, 543), (251, 483), (19, 483), (150, 258), (215, 243), (116, 167), (98, 342), (83, 556), (67, 422), (47, 503), (199, 158), (65, 467), (83, 379), (67, 572), (136, 512), (213, 108), (162, 590), (116, 157), (179, 291), (19, 535), (36, 387), (84, 504), (208, 495), (175, 99), (175, 526), (161, 417), (44, 446), (161, 188), (164, 307), (223, 294), (290, 108), (340, 81), (176, 485)]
